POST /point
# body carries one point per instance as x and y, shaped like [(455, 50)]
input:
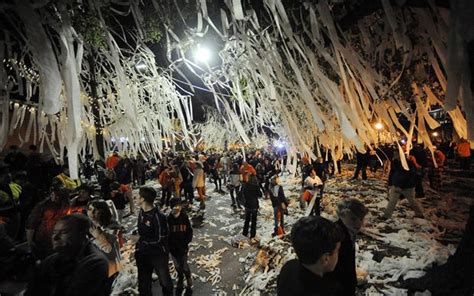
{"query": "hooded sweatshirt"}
[(181, 233)]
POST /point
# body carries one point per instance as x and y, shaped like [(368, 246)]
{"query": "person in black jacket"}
[(401, 181), (351, 213), (76, 268), (316, 242), (151, 250), (181, 234), (251, 192), (187, 184), (279, 204), (362, 162)]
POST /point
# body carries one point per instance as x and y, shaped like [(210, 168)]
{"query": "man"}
[(76, 268), (351, 214), (42, 219), (316, 242), (362, 162), (112, 161), (401, 181), (151, 250), (313, 188), (246, 169), (463, 150), (181, 234)]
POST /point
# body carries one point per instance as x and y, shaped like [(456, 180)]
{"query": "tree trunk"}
[(99, 138)]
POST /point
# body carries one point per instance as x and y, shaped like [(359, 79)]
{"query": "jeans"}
[(165, 196), (250, 218), (233, 195), (146, 263), (182, 268), (188, 191), (394, 195)]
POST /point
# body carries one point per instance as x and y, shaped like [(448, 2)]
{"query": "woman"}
[(199, 182), (251, 192), (106, 235), (234, 185)]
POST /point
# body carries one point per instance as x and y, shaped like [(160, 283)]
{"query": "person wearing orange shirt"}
[(112, 161), (463, 150), (435, 174), (246, 170)]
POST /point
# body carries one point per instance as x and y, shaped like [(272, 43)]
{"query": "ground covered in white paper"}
[(224, 262)]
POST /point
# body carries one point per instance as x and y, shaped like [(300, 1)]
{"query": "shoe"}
[(178, 291), (202, 205), (188, 291)]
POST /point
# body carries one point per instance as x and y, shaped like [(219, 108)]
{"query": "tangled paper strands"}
[(296, 72)]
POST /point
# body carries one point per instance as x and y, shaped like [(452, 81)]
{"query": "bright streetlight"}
[(202, 54), (435, 134), (379, 125)]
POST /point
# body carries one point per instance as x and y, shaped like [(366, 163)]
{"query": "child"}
[(180, 235), (316, 242), (279, 203)]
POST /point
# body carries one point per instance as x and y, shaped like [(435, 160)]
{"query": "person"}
[(76, 268), (43, 217), (463, 150), (279, 204), (187, 184), (419, 157), (351, 213), (139, 169), (83, 197), (181, 234), (66, 180), (362, 162), (435, 174), (109, 178), (151, 249), (246, 170), (119, 200), (401, 181), (106, 234), (199, 182), (123, 172), (166, 183), (112, 161), (312, 185), (251, 192), (176, 180), (316, 242), (215, 173), (233, 185)]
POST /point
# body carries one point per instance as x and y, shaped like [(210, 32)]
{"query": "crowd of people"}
[(73, 228)]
